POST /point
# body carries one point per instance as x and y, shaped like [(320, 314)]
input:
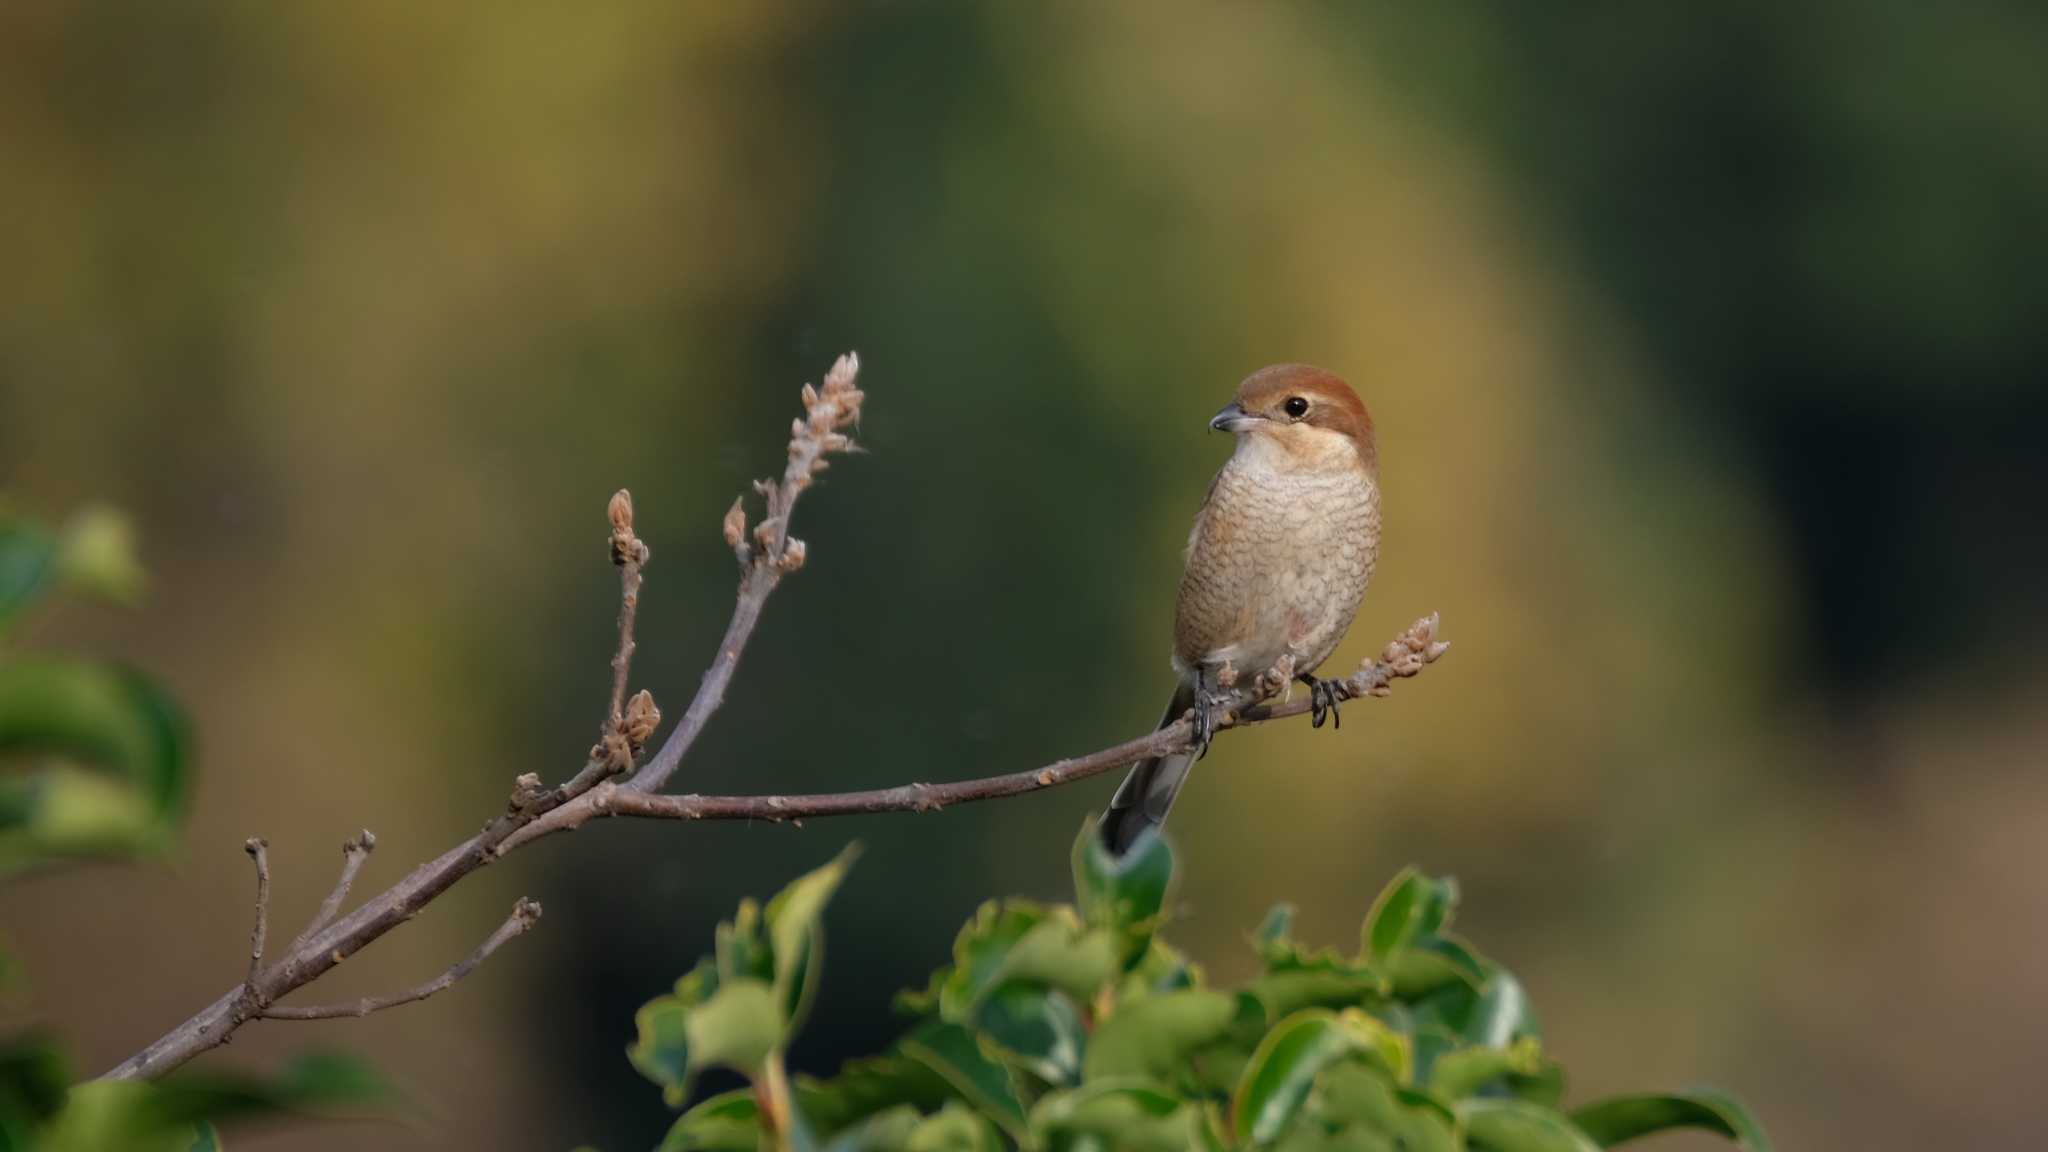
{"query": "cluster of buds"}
[(629, 733), (526, 792), (1406, 655), (1276, 680), (641, 719), (626, 547), (829, 409)]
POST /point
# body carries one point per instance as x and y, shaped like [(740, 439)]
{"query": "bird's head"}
[(1300, 416)]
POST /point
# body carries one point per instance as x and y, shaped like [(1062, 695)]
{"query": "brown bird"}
[(1277, 564)]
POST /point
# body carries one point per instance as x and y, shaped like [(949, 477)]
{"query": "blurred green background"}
[(1707, 348)]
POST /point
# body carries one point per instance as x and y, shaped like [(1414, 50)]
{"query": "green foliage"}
[(1077, 1029), (41, 1109), (740, 1007), (179, 1112), (96, 753), (94, 763)]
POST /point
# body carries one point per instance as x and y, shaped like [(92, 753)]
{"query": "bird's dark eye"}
[(1296, 407)]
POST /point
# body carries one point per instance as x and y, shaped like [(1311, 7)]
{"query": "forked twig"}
[(525, 914)]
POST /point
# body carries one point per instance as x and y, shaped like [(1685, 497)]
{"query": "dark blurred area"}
[(1707, 350)]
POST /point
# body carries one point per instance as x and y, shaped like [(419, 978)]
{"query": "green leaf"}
[(737, 1027), (1503, 1014), (1276, 1081), (868, 1087), (166, 1116), (1411, 909), (27, 564), (1214, 1069), (1152, 1038), (955, 1054), (740, 950), (697, 985), (1126, 893), (96, 554), (980, 952), (1120, 1115), (205, 1139), (314, 1082), (796, 937), (1286, 992), (33, 1081), (728, 1122), (1297, 977), (1036, 1028), (954, 1129), (1160, 968), (1020, 941), (1620, 1119), (886, 1131), (662, 1051), (1432, 964), (1463, 1072), (1543, 1087), (1059, 953), (1507, 1125), (110, 749), (1358, 1098), (124, 1114)]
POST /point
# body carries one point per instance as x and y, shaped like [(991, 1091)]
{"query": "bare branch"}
[(258, 849), (354, 851), (525, 914), (828, 409), (1409, 653)]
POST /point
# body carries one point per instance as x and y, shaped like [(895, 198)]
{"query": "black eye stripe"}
[(1296, 407)]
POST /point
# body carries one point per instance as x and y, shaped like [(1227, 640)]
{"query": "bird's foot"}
[(1323, 698)]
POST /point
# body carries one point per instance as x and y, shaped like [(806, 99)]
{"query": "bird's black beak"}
[(1233, 418)]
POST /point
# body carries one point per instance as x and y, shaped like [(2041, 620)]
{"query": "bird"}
[(1277, 564)]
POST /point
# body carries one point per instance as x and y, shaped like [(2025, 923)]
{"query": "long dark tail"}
[(1147, 793)]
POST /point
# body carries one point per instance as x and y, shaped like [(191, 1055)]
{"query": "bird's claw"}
[(1323, 698)]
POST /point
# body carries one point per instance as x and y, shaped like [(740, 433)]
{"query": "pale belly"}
[(1277, 566)]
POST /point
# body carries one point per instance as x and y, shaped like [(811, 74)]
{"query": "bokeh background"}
[(1707, 345)]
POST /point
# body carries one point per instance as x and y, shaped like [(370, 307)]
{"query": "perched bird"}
[(1278, 561)]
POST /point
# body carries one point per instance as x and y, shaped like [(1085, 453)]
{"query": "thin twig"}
[(631, 556), (616, 748), (833, 406), (1411, 652), (525, 914), (259, 850), (354, 851)]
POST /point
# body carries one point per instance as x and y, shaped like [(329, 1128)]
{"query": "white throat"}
[(1306, 448)]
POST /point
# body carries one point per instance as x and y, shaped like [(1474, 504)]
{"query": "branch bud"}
[(626, 547), (526, 789), (792, 555), (736, 523), (642, 718)]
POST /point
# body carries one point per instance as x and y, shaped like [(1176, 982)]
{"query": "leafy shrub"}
[(1073, 1028), (93, 765)]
